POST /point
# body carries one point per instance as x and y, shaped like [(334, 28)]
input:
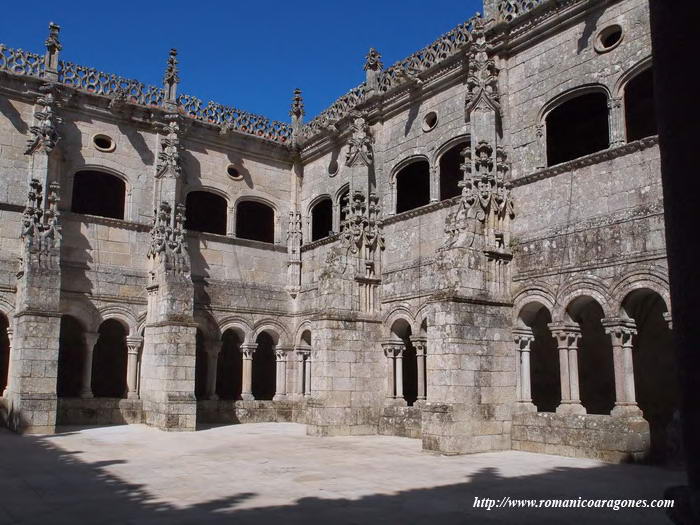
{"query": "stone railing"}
[(401, 73), (20, 62), (90, 80), (509, 10)]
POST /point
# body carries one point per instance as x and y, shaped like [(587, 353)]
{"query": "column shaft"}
[(399, 373), (307, 375), (90, 339), (525, 375), (420, 357), (247, 371)]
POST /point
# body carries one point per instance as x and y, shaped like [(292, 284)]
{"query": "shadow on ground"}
[(42, 483)]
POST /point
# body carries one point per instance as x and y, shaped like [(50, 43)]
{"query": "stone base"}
[(453, 429), (568, 409), (324, 420), (99, 411), (606, 438), (229, 412), (176, 413), (524, 408), (626, 411), (401, 421), (29, 413)]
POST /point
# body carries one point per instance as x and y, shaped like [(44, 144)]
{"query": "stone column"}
[(280, 374), (621, 332), (523, 338), (420, 345), (398, 352), (434, 184), (307, 373), (133, 346), (617, 122), (568, 336), (8, 387), (247, 350), (390, 383), (90, 339), (300, 372), (212, 350)]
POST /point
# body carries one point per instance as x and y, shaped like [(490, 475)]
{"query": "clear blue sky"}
[(248, 54)]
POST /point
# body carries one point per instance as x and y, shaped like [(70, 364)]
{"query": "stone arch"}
[(415, 170), (206, 210), (207, 324), (590, 286), (398, 313), (259, 231), (84, 311), (533, 316), (538, 292), (641, 66), (653, 278), (106, 194), (240, 326), (122, 314), (447, 160), (299, 333), (275, 329), (339, 213), (109, 359), (319, 217), (570, 94), (71, 370), (405, 362), (6, 307)]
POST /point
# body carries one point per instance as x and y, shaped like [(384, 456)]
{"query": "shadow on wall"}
[(40, 479), (14, 116)]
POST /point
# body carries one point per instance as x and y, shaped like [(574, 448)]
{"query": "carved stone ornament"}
[(373, 60), (168, 240), (44, 133), (482, 77), (297, 108), (359, 151), (361, 228), (169, 161), (41, 231)]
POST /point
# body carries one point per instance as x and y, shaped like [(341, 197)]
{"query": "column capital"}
[(247, 350), (619, 328), (281, 352), (566, 334), (302, 350), (390, 347), (523, 337), (90, 339), (133, 343), (419, 342)]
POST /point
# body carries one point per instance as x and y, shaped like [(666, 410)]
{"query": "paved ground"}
[(274, 473)]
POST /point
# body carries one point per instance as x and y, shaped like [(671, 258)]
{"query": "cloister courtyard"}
[(274, 473)]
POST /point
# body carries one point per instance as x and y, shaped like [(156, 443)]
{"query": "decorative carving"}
[(482, 78), (169, 161), (19, 62), (44, 134), (359, 151), (373, 60), (297, 109), (508, 10), (41, 231), (171, 77), (168, 240)]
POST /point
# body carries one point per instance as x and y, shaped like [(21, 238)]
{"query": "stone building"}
[(467, 248)]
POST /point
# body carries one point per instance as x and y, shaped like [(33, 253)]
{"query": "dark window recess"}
[(205, 212), (321, 219), (255, 221), (640, 116), (98, 193), (451, 172), (4, 351), (413, 186), (201, 364), (343, 204), (578, 127), (109, 361), (229, 367), (612, 37)]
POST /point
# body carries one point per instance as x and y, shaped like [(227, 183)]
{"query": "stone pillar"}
[(617, 122), (212, 350), (133, 345), (280, 374), (247, 350), (303, 353), (307, 374), (5, 393), (621, 332), (523, 338), (420, 345), (568, 336), (434, 184), (398, 352), (300, 373), (90, 339), (541, 149), (390, 382)]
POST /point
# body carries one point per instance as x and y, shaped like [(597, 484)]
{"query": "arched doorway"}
[(201, 364), (4, 352), (401, 330), (71, 357), (229, 372), (264, 368), (109, 360)]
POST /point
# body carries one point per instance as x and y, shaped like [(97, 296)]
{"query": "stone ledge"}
[(98, 411)]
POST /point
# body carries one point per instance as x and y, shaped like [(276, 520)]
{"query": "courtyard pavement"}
[(274, 473)]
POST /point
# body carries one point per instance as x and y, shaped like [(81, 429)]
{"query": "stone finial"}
[(53, 46), (171, 77), (373, 60), (297, 109)]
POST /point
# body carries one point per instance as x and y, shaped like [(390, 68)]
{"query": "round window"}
[(333, 168), (430, 121), (608, 38), (233, 172), (103, 142)]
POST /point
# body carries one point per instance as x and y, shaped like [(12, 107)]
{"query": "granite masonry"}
[(467, 248)]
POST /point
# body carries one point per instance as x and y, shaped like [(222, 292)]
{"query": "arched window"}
[(451, 171), (109, 361), (206, 212), (229, 372), (577, 127), (640, 117), (98, 193), (321, 219), (71, 358), (413, 186), (255, 221)]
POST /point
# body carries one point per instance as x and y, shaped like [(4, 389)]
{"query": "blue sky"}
[(247, 54)]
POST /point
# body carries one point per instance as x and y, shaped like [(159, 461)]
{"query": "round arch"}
[(121, 314), (629, 74)]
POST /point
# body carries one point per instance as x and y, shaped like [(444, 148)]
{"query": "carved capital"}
[(620, 330), (133, 344), (247, 350), (523, 338), (567, 335)]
